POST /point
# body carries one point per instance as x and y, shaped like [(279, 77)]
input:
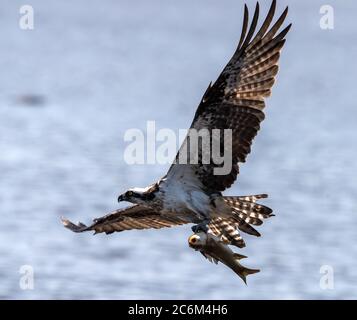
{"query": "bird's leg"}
[(200, 227)]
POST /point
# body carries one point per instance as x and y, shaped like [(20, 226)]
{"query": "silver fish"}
[(215, 250)]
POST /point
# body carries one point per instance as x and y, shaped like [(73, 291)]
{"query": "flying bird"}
[(191, 192)]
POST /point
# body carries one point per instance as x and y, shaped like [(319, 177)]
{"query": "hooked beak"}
[(121, 198)]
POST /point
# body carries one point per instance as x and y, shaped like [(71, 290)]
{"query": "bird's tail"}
[(248, 212), (245, 213)]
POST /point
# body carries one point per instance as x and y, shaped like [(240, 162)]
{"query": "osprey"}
[(191, 192)]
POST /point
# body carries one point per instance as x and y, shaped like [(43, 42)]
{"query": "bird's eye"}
[(129, 193)]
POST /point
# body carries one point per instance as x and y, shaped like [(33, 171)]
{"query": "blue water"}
[(103, 67)]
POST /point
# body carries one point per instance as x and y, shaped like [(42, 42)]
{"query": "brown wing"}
[(134, 217), (236, 100)]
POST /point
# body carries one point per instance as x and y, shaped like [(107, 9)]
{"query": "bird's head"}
[(197, 240), (137, 195)]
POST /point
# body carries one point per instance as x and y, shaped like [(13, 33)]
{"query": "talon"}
[(200, 227)]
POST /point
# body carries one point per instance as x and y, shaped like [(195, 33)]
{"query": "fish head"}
[(197, 240)]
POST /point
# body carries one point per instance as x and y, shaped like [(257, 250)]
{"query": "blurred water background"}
[(90, 70)]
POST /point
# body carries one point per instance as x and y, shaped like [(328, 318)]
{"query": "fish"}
[(213, 249)]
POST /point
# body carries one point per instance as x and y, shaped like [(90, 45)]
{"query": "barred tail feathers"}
[(245, 213), (246, 208)]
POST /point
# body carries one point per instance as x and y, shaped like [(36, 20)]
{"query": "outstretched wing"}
[(236, 101), (134, 217)]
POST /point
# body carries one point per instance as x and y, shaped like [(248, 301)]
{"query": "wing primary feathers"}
[(277, 41), (269, 37), (245, 26), (134, 217), (265, 25), (252, 27), (283, 33), (73, 227), (275, 27)]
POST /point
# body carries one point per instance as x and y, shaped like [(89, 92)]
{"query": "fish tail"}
[(244, 272)]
